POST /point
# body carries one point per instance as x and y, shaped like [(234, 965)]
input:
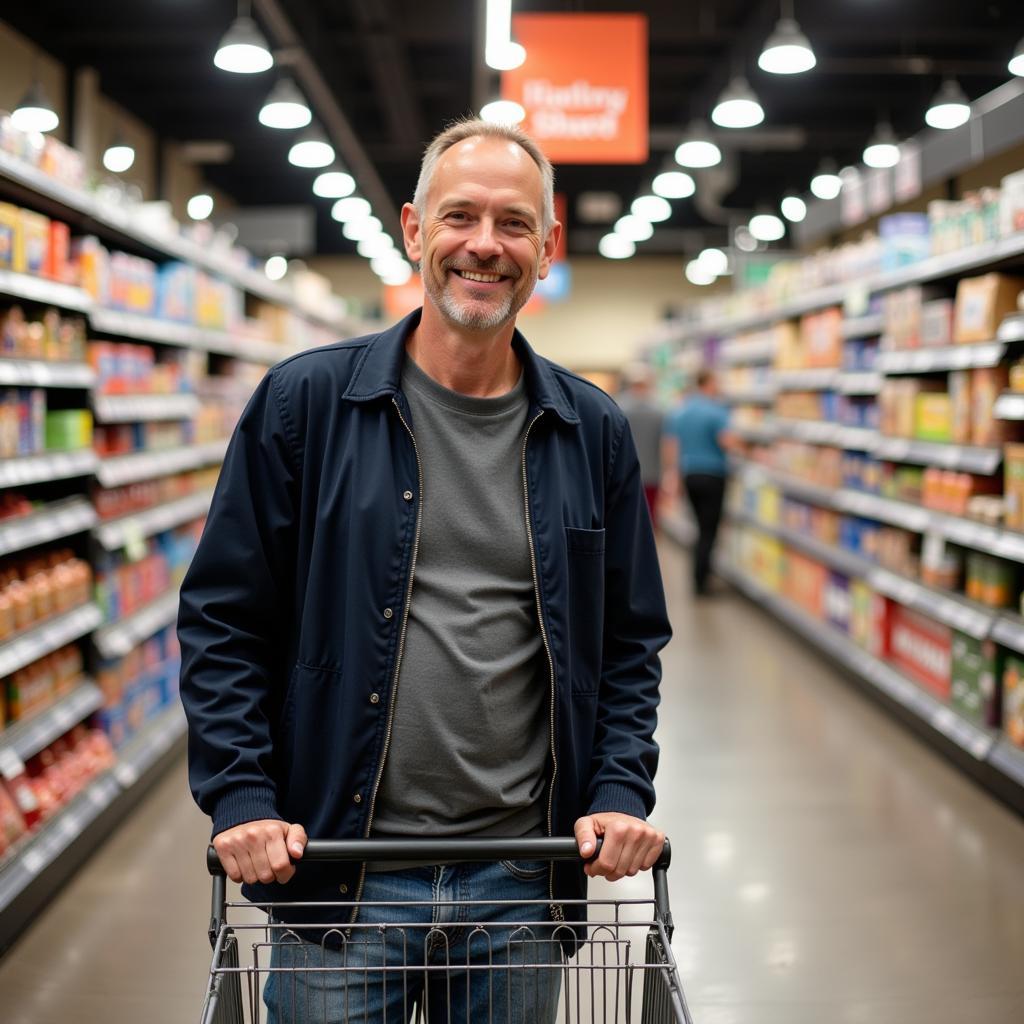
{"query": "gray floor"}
[(829, 869)]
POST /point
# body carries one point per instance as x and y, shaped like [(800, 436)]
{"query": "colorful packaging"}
[(34, 243), (933, 417), (987, 385), (981, 304), (976, 673), (922, 647), (837, 601), (1013, 485), (10, 236), (1013, 699), (960, 406)]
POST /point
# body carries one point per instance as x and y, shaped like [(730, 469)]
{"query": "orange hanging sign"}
[(583, 86)]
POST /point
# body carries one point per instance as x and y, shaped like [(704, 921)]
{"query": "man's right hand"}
[(260, 851)]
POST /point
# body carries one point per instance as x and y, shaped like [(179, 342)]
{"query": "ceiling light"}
[(334, 185), (787, 50), (375, 245), (697, 149), (364, 227), (35, 112), (351, 208), (794, 209), (397, 276), (744, 240), (738, 106), (636, 229), (766, 227), (285, 107), (826, 184), (500, 52), (387, 263), (1016, 65), (275, 268), (714, 261), (651, 208), (502, 112), (311, 150), (673, 185), (243, 49), (200, 206), (616, 247), (119, 156), (949, 108), (698, 274), (882, 149)]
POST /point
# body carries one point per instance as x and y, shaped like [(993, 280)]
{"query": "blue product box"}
[(837, 601)]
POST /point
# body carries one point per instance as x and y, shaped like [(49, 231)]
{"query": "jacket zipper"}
[(398, 657), (557, 913)]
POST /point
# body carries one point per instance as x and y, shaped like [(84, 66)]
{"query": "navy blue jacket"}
[(293, 609)]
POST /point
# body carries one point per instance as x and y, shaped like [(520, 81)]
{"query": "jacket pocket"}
[(585, 554)]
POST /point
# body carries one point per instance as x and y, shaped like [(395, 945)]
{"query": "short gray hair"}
[(472, 128)]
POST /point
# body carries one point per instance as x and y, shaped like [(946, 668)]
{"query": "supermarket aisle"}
[(828, 868)]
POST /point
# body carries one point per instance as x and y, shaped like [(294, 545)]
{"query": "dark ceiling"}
[(399, 69)]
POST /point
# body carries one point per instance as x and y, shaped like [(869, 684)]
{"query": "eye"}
[(457, 215)]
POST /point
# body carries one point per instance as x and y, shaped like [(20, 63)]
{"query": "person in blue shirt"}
[(698, 437)]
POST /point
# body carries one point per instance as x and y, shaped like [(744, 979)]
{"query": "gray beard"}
[(473, 321)]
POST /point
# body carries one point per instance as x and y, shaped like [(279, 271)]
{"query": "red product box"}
[(923, 648), (57, 265)]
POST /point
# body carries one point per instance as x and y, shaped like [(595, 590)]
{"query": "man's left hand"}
[(630, 844)]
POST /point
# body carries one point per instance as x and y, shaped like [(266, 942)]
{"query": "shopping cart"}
[(599, 972)]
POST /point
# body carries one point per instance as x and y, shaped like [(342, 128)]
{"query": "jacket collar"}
[(379, 371)]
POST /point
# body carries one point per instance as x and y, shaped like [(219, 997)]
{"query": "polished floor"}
[(828, 867)]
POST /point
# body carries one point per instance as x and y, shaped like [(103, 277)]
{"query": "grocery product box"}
[(981, 304), (870, 618), (975, 678), (905, 239), (10, 235), (34, 243), (933, 417), (58, 265), (1011, 203), (922, 648), (1013, 699), (960, 406), (68, 430), (987, 384), (1013, 485), (936, 325), (837, 601)]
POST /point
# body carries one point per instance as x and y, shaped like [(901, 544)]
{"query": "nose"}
[(484, 243)]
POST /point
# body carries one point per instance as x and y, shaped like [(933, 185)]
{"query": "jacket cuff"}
[(612, 796), (242, 804)]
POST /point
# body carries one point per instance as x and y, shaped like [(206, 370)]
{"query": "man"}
[(698, 437), (645, 423), (427, 600)]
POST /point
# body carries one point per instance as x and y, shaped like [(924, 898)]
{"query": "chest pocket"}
[(585, 554)]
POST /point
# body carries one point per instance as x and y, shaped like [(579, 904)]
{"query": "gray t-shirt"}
[(470, 737), (646, 423)]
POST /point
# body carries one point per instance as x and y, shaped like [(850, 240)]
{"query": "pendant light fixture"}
[(697, 273), (312, 149), (794, 209), (714, 261), (364, 227), (376, 245), (950, 107), (635, 228), (616, 247), (334, 184), (502, 112), (697, 149), (673, 185), (35, 112), (243, 49), (500, 52), (1016, 65), (285, 107), (787, 50), (766, 227), (827, 184), (738, 106), (351, 208), (651, 208), (883, 149), (200, 206), (119, 156), (275, 268)]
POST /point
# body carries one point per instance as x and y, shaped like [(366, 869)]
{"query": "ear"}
[(411, 234), (548, 252)]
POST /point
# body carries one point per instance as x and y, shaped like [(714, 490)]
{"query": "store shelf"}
[(756, 396), (956, 612), (40, 289), (974, 740), (1009, 631), (734, 353), (967, 458), (60, 519), (118, 638), (119, 532), (811, 431), (128, 469), (1008, 760), (50, 636), (760, 433), (863, 326), (38, 373), (857, 439), (952, 357), (24, 739), (1009, 406), (137, 408), (859, 382), (807, 380), (37, 469), (1012, 328)]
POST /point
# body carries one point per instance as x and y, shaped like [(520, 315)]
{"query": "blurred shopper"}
[(427, 602), (698, 437), (647, 424)]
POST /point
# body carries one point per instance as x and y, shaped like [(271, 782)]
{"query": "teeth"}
[(483, 278)]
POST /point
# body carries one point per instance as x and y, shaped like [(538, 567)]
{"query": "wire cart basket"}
[(618, 968)]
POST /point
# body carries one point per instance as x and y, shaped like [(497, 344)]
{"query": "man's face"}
[(480, 242)]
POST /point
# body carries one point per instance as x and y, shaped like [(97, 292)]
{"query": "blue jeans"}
[(453, 960)]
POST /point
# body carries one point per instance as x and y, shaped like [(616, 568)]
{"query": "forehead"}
[(499, 167)]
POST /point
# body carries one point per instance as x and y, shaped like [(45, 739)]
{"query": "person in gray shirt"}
[(646, 422)]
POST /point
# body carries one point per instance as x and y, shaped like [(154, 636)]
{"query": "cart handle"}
[(443, 851)]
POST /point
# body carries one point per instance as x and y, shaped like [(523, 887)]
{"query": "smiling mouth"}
[(479, 278)]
